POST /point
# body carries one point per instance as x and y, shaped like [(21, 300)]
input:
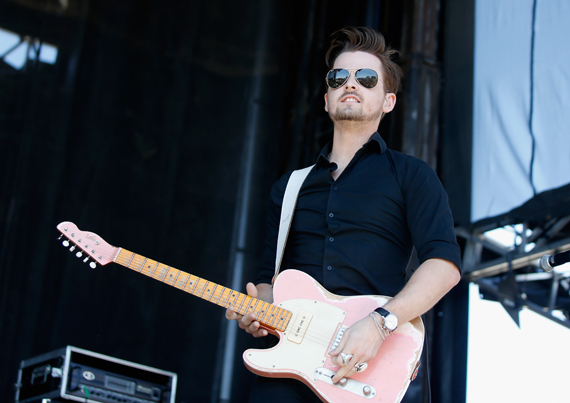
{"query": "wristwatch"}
[(390, 320)]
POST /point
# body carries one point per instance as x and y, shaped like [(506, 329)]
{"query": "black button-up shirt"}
[(355, 235)]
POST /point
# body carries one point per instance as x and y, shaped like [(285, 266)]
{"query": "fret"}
[(168, 276), (195, 283), (187, 278), (240, 299), (284, 316), (164, 273), (148, 263), (181, 280), (258, 308), (135, 263), (273, 316), (142, 265), (234, 294), (202, 284), (279, 318), (243, 309), (132, 257), (217, 302), (124, 259), (228, 292), (155, 267), (270, 312), (284, 319), (263, 311), (177, 274), (207, 293), (252, 307)]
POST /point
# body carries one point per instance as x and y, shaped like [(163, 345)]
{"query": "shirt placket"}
[(330, 256)]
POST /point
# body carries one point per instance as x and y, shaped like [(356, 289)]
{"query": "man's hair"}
[(365, 39)]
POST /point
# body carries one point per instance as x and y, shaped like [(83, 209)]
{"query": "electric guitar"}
[(308, 320)]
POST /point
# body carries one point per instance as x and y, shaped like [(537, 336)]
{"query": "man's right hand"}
[(247, 322)]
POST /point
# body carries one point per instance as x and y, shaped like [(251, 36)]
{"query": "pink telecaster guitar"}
[(308, 320)]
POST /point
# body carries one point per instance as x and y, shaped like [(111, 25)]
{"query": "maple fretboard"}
[(269, 315)]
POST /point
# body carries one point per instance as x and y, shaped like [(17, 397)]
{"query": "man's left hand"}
[(362, 340)]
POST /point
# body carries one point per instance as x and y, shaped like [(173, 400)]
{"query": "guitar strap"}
[(294, 184)]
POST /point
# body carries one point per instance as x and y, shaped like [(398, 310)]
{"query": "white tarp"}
[(512, 80)]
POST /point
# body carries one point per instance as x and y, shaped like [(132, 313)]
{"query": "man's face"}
[(354, 102)]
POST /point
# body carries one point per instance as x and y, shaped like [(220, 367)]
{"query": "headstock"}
[(87, 242)]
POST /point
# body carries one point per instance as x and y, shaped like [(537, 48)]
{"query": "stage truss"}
[(511, 274)]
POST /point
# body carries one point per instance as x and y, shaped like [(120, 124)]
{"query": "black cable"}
[(531, 112)]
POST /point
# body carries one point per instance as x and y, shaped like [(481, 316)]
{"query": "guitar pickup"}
[(300, 327)]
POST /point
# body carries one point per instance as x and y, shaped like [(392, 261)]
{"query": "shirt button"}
[(329, 267), (335, 188), (331, 215), (331, 239)]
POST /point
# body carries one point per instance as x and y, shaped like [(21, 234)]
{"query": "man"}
[(359, 214)]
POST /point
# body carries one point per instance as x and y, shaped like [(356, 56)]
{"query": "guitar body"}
[(318, 319)]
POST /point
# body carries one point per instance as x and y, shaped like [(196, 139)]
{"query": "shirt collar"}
[(375, 141)]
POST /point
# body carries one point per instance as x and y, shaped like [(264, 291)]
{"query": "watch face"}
[(391, 322)]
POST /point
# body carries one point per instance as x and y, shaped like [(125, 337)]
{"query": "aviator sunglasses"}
[(336, 78)]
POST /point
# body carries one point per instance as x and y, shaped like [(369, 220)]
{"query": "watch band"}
[(383, 312), (390, 322)]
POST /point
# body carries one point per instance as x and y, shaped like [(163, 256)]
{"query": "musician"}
[(360, 212)]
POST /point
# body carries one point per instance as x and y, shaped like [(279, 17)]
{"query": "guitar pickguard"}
[(304, 356)]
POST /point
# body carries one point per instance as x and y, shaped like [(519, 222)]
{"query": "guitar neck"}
[(269, 316)]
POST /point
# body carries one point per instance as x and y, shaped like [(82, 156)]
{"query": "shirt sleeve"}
[(429, 216), (267, 270)]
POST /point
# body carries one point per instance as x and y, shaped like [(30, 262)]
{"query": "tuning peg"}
[(72, 248), (65, 243), (93, 265), (79, 254)]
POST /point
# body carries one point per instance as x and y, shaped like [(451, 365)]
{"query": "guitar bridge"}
[(338, 337)]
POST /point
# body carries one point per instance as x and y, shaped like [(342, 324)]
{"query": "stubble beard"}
[(350, 114)]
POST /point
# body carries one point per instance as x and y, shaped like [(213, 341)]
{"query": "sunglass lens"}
[(367, 78), (337, 77)]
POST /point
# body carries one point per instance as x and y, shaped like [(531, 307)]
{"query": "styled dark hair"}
[(365, 39)]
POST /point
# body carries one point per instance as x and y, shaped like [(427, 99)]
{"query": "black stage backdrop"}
[(140, 132)]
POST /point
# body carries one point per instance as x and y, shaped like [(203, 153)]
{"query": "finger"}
[(231, 314), (260, 333), (342, 373), (246, 322), (251, 290)]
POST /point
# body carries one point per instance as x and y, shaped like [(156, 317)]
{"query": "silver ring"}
[(361, 367), (346, 358)]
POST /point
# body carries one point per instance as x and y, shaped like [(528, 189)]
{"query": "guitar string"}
[(323, 339)]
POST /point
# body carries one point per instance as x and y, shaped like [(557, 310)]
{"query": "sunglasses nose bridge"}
[(351, 80)]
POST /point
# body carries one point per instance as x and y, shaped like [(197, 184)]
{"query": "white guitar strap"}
[(287, 210)]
